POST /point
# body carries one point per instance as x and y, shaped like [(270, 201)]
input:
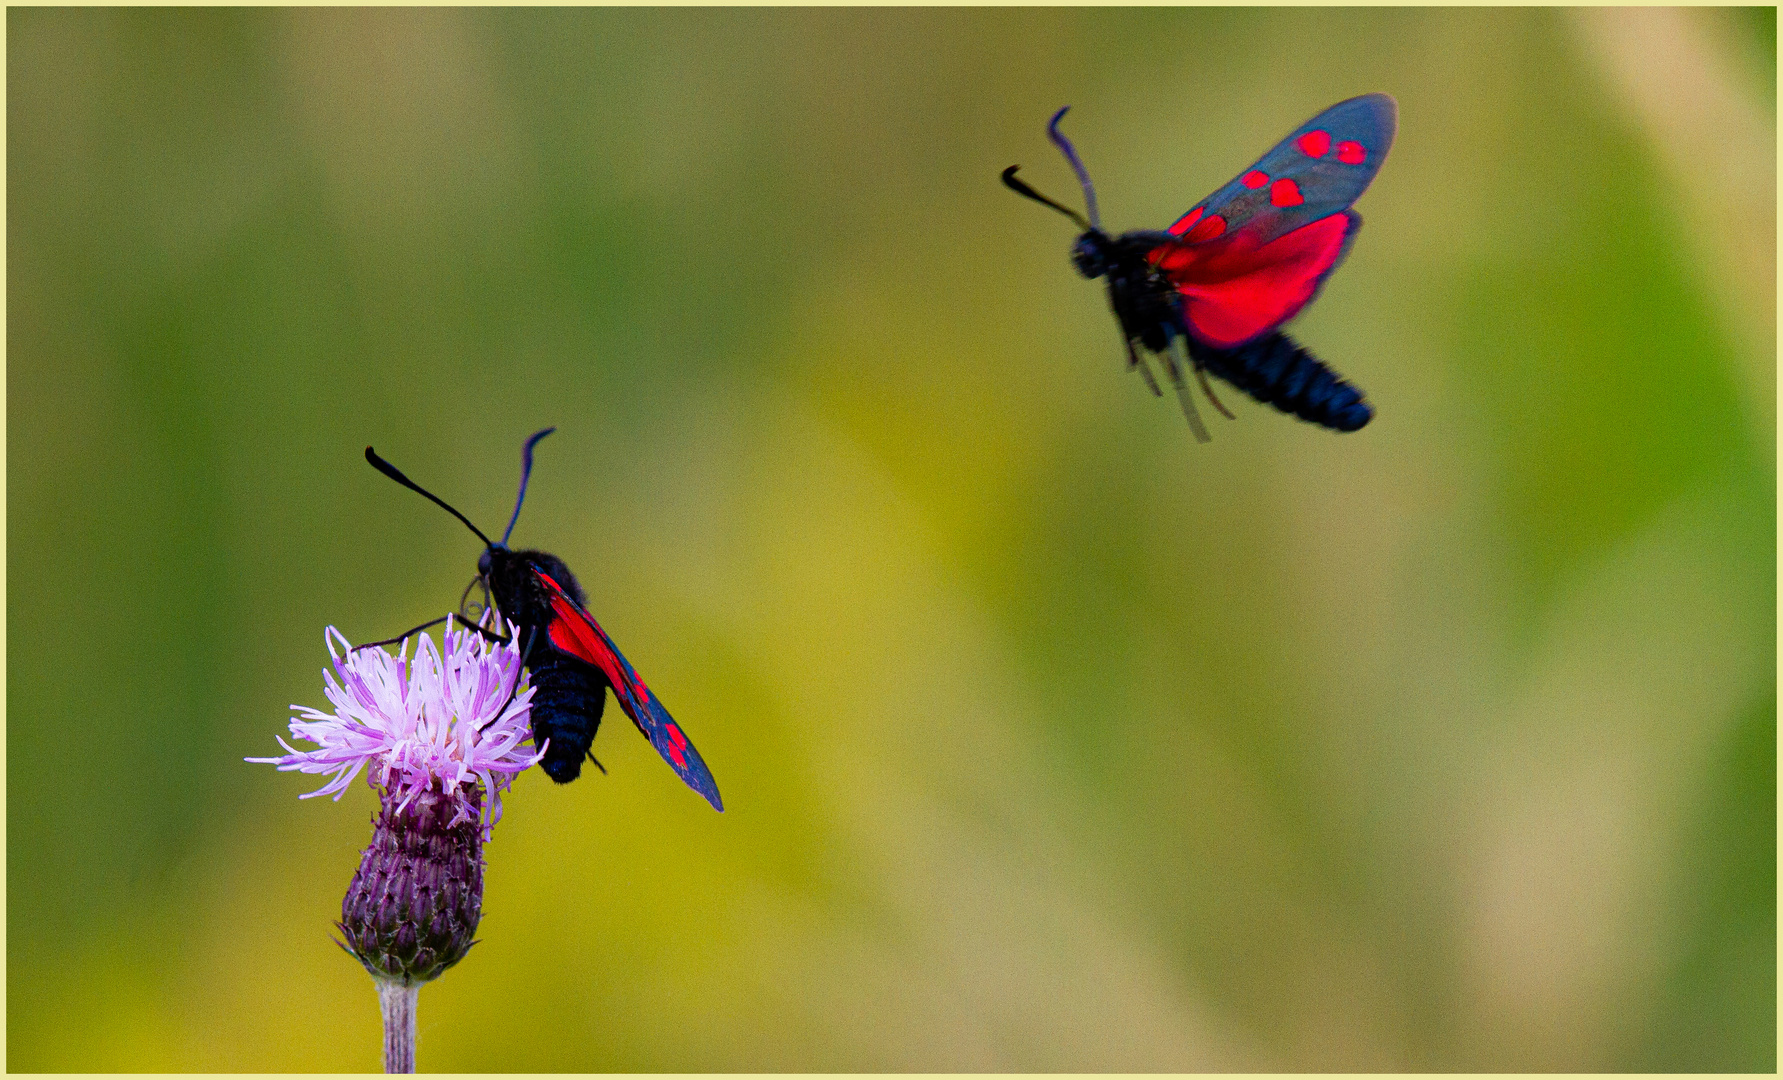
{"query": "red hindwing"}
[(1254, 252), (1237, 290)]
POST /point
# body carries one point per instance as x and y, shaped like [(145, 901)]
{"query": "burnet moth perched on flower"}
[(571, 659), (1242, 262)]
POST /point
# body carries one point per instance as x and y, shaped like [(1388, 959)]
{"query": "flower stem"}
[(398, 1004)]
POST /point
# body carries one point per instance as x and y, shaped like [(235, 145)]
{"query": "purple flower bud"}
[(412, 909)]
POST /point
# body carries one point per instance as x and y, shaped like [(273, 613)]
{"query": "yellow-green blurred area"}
[(1049, 739)]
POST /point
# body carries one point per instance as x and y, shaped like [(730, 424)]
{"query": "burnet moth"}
[(571, 659), (1242, 262)]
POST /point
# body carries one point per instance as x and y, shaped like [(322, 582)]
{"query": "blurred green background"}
[(1049, 738)]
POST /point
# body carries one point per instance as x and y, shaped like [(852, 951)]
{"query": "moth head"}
[(1090, 254)]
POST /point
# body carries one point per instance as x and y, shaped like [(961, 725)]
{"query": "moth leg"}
[(465, 595), (1206, 388), (488, 634), (1184, 396), (404, 634), (1133, 361), (518, 670), (597, 763)]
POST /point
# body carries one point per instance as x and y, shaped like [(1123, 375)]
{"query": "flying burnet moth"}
[(1242, 262)]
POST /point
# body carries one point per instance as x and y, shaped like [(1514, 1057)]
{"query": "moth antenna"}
[(525, 474), (1021, 188), (1070, 152), (395, 474)]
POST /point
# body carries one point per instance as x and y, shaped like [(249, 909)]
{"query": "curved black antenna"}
[(1021, 188), (525, 474), (1070, 152), (395, 474)]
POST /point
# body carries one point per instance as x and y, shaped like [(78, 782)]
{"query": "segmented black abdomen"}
[(566, 709), (1277, 371)]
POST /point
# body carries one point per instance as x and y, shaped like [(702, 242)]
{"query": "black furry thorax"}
[(1144, 300), (518, 594)]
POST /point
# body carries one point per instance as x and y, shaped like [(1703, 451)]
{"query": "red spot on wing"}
[(1183, 223), (1314, 143), (1351, 152), (1285, 192), (1209, 227), (1254, 179), (1238, 289), (571, 632), (677, 745), (574, 632)]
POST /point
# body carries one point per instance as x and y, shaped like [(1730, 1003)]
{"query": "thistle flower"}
[(439, 722), (440, 737)]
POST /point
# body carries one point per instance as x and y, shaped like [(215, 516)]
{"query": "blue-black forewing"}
[(575, 632), (1319, 170), (1256, 251)]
